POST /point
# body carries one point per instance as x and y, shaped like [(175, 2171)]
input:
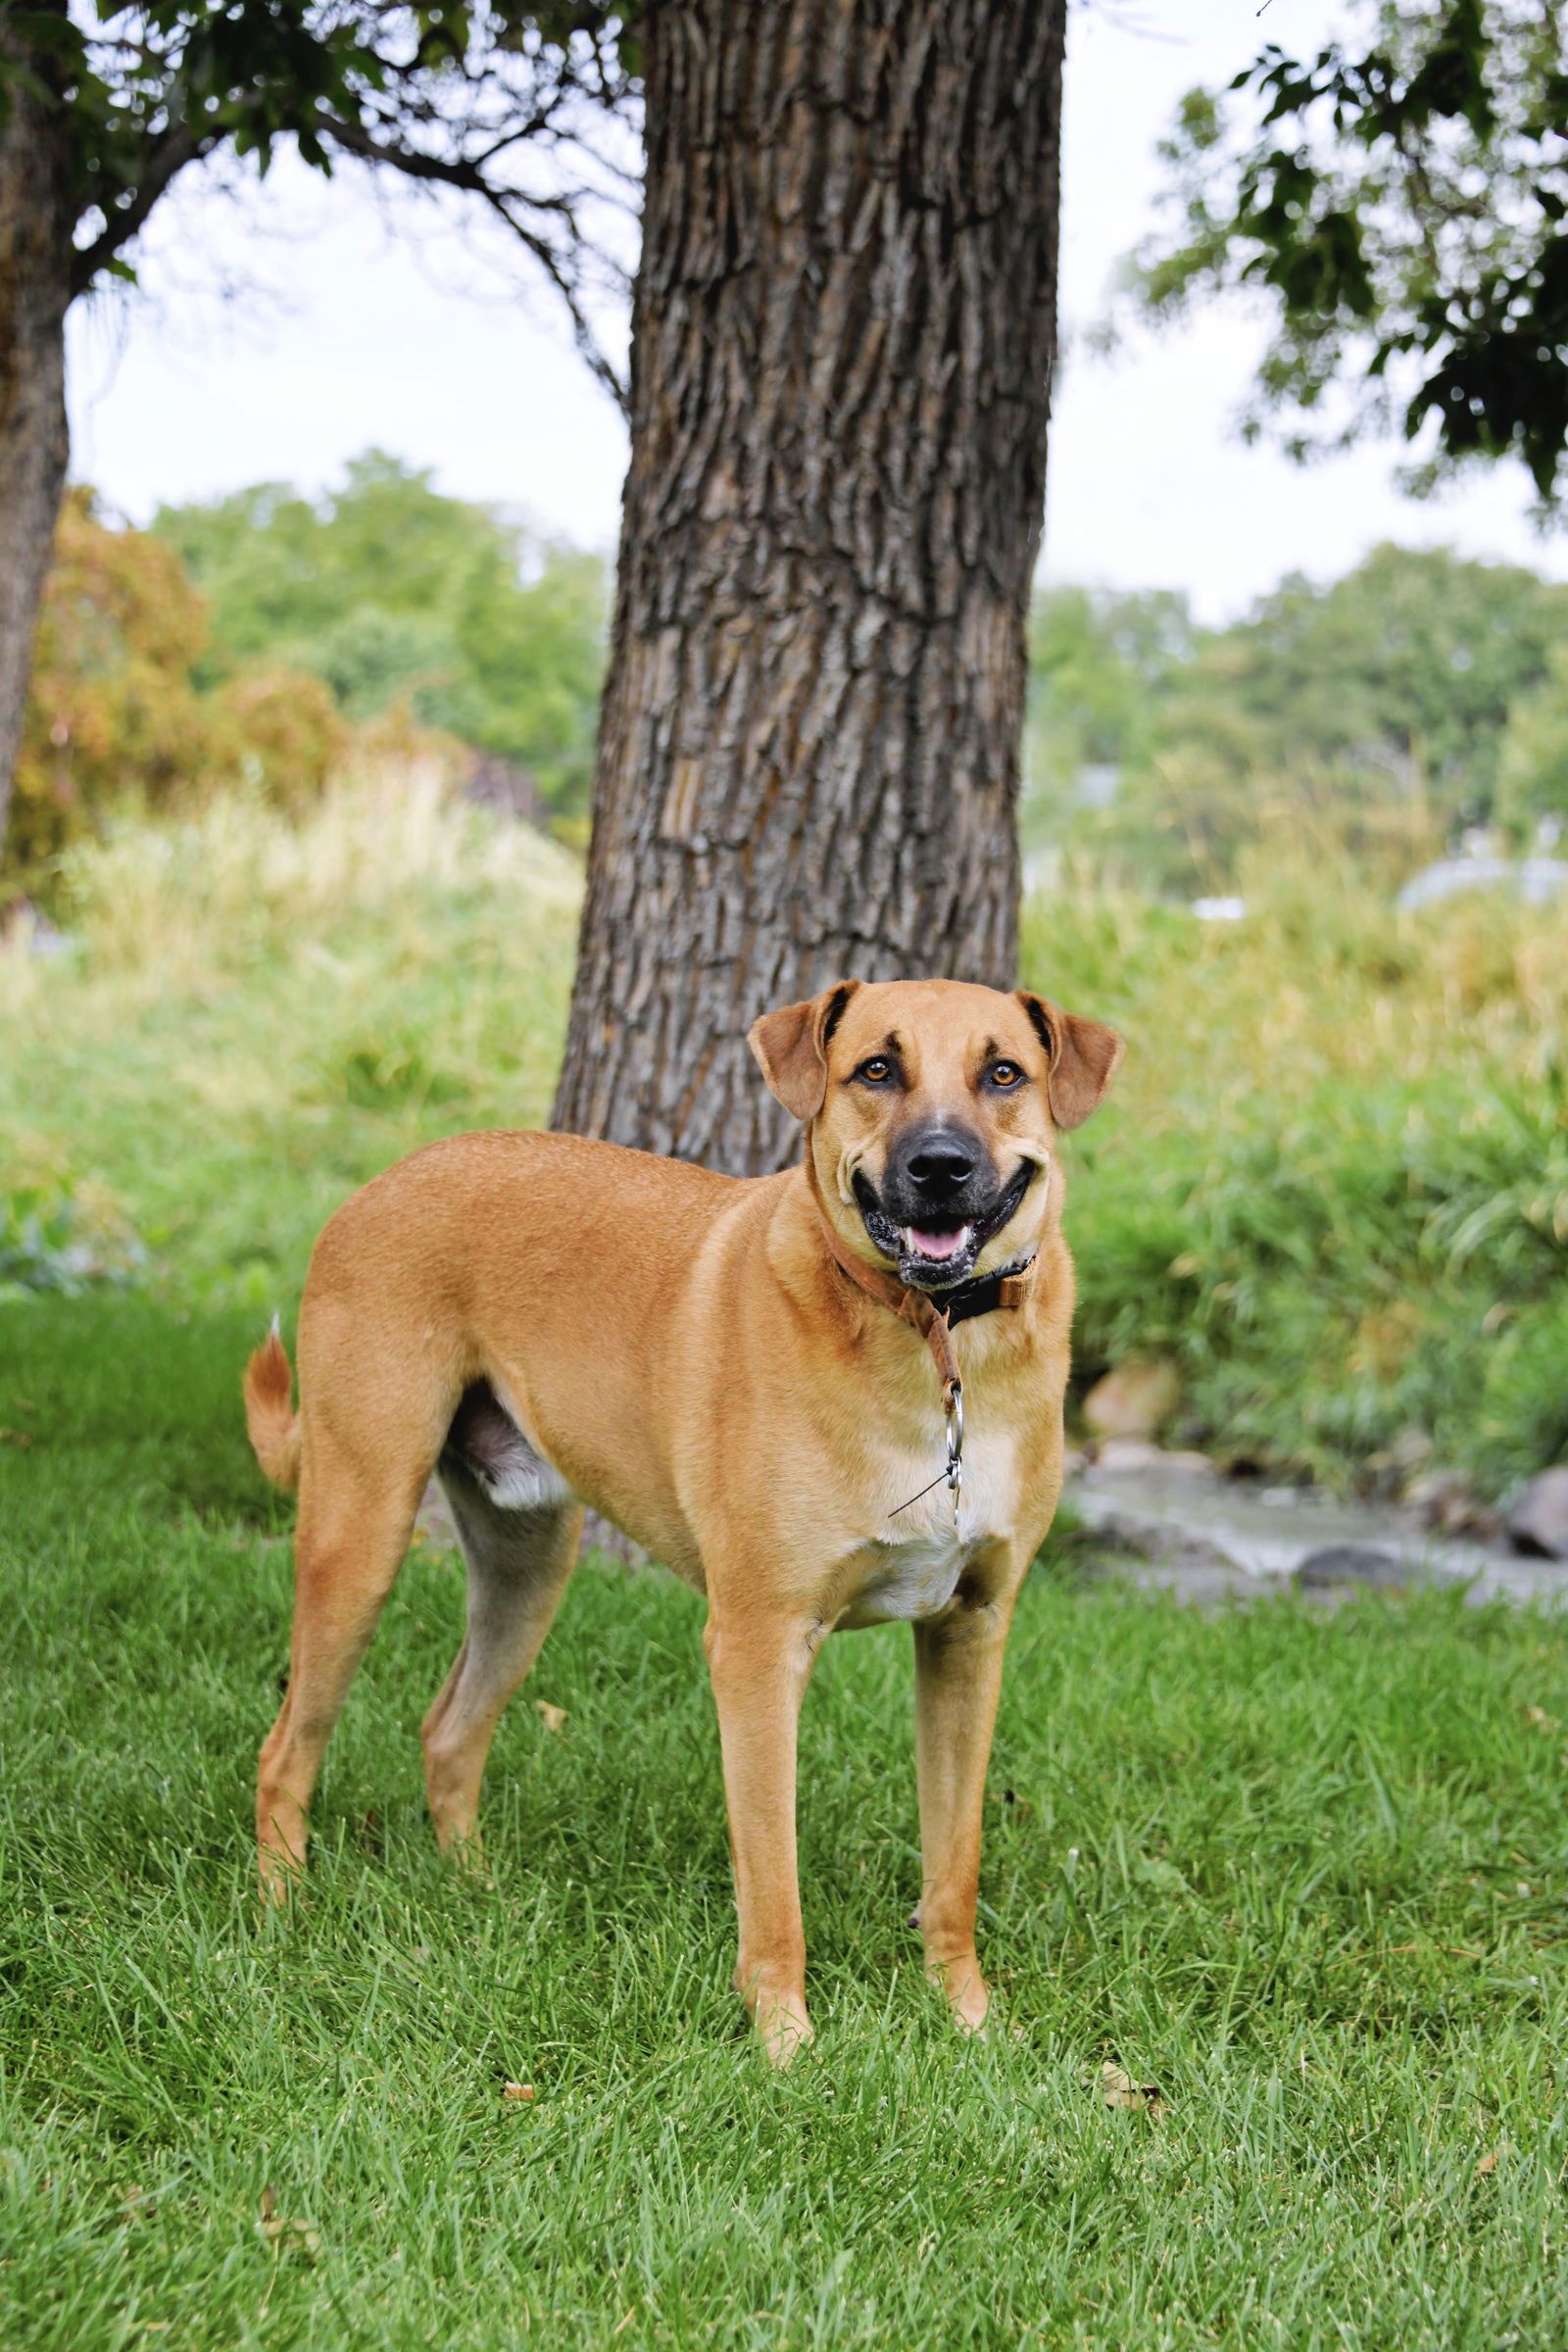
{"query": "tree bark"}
[(36, 213), (843, 335)]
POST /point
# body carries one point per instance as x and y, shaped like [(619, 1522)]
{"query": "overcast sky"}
[(352, 334)]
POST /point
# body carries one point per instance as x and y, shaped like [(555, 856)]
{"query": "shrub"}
[(1331, 1182), (115, 718)]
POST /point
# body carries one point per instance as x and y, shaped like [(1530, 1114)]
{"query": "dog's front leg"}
[(958, 1679), (761, 1663)]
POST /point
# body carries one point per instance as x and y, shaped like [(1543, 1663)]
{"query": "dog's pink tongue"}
[(936, 1244)]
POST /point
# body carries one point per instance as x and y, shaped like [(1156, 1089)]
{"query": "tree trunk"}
[(35, 247), (842, 336)]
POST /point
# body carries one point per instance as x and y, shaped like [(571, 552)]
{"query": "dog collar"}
[(983, 1293)]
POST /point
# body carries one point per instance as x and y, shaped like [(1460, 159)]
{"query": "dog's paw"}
[(964, 1989), (783, 2029)]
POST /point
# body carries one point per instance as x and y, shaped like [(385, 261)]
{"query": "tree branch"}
[(166, 158), (470, 178)]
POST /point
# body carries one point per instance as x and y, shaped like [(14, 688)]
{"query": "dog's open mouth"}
[(934, 1257)]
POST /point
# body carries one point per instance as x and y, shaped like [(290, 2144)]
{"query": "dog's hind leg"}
[(519, 1558), (352, 1533)]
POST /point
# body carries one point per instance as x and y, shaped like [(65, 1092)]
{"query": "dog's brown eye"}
[(1005, 1074), (875, 1070)]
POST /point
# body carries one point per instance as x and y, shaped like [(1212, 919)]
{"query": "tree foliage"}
[(389, 591), (1533, 755), (1100, 661), (1419, 694), (115, 716), (1400, 202), (513, 107)]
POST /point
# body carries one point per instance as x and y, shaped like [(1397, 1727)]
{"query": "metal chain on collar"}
[(952, 1476)]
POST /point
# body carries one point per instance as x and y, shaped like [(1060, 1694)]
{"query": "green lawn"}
[(1305, 1872)]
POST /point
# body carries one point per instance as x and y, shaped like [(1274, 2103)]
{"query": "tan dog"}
[(750, 1377)]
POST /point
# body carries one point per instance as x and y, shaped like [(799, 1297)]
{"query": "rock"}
[(1127, 1453), (1446, 1501), (1152, 1540), (1338, 1564), (1388, 1474), (1135, 1399), (1537, 1518), (1137, 1453)]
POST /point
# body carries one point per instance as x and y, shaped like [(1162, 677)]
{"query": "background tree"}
[(1101, 663), (388, 591), (117, 715), (843, 333), (1376, 707), (1533, 759), (1400, 204), (99, 115)]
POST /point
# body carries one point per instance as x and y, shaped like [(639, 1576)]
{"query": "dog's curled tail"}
[(270, 1415)]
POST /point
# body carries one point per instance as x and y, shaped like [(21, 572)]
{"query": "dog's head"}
[(931, 1109)]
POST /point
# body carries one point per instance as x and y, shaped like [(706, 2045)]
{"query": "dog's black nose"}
[(940, 1166)]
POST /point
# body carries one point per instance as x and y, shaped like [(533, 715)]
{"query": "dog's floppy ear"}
[(1083, 1058), (790, 1047)]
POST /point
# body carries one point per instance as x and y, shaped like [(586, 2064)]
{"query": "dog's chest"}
[(909, 1580), (911, 1566)]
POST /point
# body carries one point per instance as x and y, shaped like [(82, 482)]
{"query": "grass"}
[(1305, 1872)]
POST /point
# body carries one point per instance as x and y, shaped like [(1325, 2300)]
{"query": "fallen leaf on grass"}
[(1118, 2089), (17, 1436), (517, 2090), (1488, 2164), (553, 1719), (286, 2231), (1541, 1719)]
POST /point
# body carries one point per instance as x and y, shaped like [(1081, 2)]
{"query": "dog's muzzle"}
[(937, 1240)]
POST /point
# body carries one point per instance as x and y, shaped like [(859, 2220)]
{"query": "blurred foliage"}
[(1331, 1182), (60, 1230), (1100, 663), (1399, 203), (114, 714), (259, 1009), (250, 643), (1533, 757), (388, 591), (1380, 705)]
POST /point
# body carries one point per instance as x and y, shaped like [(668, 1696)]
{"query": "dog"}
[(826, 1398)]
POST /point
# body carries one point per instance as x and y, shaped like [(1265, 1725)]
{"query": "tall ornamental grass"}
[(1332, 1180), (251, 1016)]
